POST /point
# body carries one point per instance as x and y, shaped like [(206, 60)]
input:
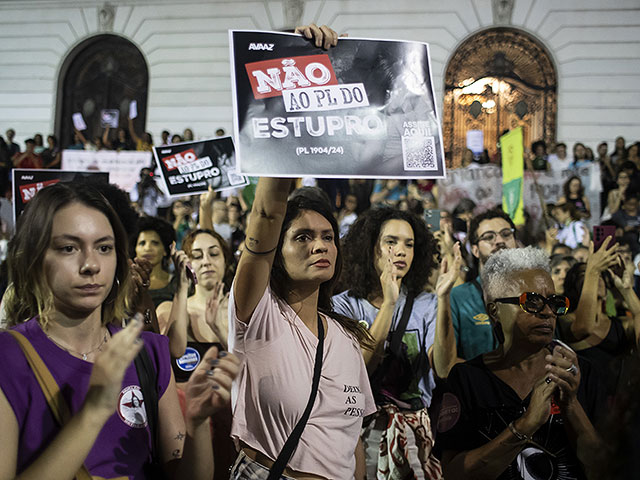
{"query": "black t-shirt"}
[(477, 406)]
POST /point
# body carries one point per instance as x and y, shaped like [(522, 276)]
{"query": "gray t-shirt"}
[(418, 336)]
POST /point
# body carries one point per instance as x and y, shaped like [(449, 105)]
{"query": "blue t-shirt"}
[(394, 195), (474, 335), (418, 337)]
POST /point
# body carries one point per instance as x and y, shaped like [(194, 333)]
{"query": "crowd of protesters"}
[(363, 339)]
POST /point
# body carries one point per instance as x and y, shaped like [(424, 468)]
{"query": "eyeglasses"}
[(490, 236), (532, 302)]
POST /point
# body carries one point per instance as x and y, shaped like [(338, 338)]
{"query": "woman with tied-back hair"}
[(203, 315), (70, 276), (389, 255), (195, 323), (280, 305)]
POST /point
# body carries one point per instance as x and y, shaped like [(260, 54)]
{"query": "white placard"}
[(475, 141), (133, 109), (123, 167), (78, 122)]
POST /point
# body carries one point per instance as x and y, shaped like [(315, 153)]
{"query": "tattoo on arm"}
[(176, 453), (180, 436), (253, 241)]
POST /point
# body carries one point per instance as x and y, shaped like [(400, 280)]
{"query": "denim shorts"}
[(246, 469)]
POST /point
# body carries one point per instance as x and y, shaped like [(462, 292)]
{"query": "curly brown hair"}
[(360, 245)]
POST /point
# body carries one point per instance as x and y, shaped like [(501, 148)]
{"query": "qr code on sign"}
[(419, 153)]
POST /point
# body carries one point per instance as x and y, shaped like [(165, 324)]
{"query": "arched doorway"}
[(103, 72), (497, 80)]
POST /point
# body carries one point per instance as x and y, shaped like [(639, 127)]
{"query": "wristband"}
[(246, 247), (520, 436)]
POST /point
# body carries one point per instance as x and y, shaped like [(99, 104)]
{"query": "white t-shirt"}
[(571, 235), (557, 164), (278, 352)]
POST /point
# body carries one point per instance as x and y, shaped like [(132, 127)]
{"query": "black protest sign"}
[(191, 167), (365, 108), (28, 182)]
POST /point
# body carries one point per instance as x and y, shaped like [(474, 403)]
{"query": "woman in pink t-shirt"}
[(281, 293)]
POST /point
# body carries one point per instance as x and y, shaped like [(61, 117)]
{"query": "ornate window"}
[(497, 80), (103, 72)]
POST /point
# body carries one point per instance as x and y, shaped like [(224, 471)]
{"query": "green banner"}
[(512, 173)]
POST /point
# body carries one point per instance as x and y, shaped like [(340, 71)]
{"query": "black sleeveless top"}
[(605, 356), (189, 361)]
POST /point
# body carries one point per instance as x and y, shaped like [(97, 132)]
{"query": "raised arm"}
[(587, 206), (105, 138), (205, 212), (132, 131), (267, 215), (631, 300), (586, 314), (263, 232), (614, 198), (381, 325), (172, 316), (81, 136), (443, 354)]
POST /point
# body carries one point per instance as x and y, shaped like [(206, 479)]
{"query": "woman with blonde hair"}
[(85, 397)]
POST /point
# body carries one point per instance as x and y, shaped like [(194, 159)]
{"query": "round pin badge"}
[(131, 407), (189, 361)]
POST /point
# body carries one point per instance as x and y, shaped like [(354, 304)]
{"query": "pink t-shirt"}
[(275, 383)]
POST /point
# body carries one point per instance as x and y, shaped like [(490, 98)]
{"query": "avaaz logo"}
[(261, 46)]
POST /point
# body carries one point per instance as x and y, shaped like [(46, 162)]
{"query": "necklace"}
[(80, 354)]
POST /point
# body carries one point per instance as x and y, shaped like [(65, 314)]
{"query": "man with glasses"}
[(524, 410), (489, 232)]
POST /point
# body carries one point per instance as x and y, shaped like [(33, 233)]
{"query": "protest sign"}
[(512, 174), (483, 185), (365, 108), (123, 166), (191, 167), (109, 118), (133, 109), (475, 141), (28, 182), (78, 121)]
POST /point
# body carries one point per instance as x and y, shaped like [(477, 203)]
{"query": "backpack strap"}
[(50, 389)]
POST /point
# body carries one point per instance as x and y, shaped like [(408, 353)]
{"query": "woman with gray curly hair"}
[(522, 411)]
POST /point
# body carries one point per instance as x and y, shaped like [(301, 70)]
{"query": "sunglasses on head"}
[(532, 302)]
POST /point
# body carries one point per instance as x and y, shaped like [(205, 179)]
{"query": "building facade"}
[(594, 46)]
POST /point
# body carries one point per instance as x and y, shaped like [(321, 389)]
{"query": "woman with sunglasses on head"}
[(75, 404), (589, 329), (525, 409)]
